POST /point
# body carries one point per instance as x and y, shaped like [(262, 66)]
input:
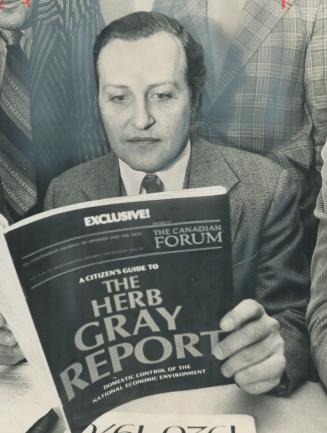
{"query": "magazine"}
[(125, 296)]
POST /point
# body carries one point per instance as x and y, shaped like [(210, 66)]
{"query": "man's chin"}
[(148, 165), (145, 168)]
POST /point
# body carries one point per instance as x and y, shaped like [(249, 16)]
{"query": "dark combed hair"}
[(141, 25)]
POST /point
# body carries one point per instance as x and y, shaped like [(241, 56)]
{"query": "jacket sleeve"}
[(282, 284), (49, 197), (317, 309)]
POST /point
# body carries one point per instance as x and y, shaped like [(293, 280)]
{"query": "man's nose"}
[(143, 118)]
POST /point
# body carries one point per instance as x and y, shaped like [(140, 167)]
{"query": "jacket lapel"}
[(257, 20), (105, 181), (209, 167)]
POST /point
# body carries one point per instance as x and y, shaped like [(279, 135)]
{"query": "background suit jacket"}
[(271, 97), (66, 125), (268, 261)]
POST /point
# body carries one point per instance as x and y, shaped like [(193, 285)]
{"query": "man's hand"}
[(10, 353), (254, 350)]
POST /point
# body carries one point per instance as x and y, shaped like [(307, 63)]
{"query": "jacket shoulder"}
[(247, 166), (68, 188), (87, 170)]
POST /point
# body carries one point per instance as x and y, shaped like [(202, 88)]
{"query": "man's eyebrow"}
[(115, 86), (150, 87), (163, 83)]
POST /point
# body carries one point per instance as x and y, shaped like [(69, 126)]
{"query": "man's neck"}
[(173, 176)]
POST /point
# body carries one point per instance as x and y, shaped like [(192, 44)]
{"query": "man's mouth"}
[(143, 140)]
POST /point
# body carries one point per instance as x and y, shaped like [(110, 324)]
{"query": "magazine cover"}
[(126, 296)]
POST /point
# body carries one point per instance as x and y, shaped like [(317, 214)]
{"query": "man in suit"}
[(150, 74), (16, 167), (61, 125)]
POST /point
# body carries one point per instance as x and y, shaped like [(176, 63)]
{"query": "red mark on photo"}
[(25, 2), (286, 3)]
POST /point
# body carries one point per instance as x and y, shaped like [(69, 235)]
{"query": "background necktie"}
[(16, 170), (152, 183)]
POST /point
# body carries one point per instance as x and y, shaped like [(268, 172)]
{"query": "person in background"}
[(16, 167), (317, 309), (267, 80), (150, 75), (48, 118), (18, 195)]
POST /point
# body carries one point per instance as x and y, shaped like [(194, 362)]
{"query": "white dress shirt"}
[(172, 177)]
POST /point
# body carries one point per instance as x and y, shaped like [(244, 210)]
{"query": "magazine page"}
[(126, 296)]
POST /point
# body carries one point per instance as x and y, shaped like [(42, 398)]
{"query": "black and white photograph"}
[(163, 216)]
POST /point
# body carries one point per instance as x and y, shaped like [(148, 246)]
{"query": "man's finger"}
[(268, 371), (261, 387), (247, 335), (249, 309), (7, 338), (253, 354), (10, 355)]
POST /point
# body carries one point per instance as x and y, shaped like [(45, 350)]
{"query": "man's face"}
[(15, 14), (145, 100)]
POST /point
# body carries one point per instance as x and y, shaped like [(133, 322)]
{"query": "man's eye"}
[(161, 96), (119, 98)]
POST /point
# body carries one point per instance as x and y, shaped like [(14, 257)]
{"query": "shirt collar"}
[(172, 176)]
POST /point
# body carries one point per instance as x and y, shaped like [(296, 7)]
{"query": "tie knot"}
[(11, 37), (152, 183)]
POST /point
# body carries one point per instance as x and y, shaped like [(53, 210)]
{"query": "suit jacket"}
[(267, 258)]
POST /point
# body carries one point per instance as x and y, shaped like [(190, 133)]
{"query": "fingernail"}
[(17, 350), (219, 353), (227, 324)]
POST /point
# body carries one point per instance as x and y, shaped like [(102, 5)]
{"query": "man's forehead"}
[(157, 58)]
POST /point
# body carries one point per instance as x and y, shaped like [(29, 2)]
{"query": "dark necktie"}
[(152, 183), (16, 170)]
